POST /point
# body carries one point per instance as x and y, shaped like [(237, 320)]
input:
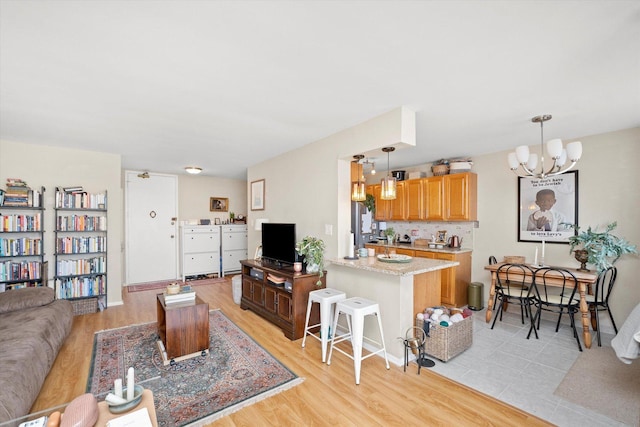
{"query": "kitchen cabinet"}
[(434, 198), (415, 199), (461, 202), (455, 280)]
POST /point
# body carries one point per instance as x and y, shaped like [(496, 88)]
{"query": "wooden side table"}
[(183, 329), (104, 416)]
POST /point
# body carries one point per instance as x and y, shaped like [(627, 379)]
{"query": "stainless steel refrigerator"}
[(362, 224)]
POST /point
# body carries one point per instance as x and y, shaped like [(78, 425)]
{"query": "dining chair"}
[(493, 260), (600, 299), (554, 290), (513, 286)]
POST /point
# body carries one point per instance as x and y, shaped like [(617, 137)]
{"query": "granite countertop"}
[(412, 246), (416, 266)]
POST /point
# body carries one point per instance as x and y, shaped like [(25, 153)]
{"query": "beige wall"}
[(194, 193), (53, 167)]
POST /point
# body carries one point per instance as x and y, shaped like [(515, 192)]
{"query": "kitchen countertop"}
[(416, 266), (412, 246)]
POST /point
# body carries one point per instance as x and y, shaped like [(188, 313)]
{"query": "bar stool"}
[(326, 298), (356, 309)]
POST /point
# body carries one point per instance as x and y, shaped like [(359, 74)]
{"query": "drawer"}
[(200, 263), (234, 228), (231, 259), (200, 242), (233, 241), (205, 229)]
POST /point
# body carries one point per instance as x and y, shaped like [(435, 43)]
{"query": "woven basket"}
[(444, 343), (84, 306), (514, 259), (440, 170)]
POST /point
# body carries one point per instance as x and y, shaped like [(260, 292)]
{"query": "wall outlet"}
[(328, 229)]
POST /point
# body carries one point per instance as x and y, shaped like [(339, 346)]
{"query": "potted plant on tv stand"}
[(600, 249), (312, 249)]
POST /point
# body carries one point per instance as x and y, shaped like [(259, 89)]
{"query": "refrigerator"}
[(362, 224)]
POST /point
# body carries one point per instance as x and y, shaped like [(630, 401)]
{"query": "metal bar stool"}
[(326, 298), (356, 309)]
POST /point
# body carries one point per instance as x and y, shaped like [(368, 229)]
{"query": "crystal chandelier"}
[(529, 161), (388, 189)]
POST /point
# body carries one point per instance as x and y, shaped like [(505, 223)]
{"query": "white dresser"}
[(234, 247), (200, 250)]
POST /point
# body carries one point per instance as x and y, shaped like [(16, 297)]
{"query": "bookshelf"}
[(81, 245), (21, 239)]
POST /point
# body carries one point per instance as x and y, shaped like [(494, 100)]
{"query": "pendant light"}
[(388, 189), (358, 190), (529, 161)]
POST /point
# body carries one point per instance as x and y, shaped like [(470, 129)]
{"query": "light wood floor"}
[(328, 396)]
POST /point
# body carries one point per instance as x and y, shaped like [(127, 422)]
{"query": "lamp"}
[(358, 190), (559, 155), (388, 188), (193, 170), (370, 162)]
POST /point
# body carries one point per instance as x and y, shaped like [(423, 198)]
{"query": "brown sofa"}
[(33, 327)]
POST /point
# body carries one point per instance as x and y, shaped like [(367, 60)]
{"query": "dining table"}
[(584, 278)]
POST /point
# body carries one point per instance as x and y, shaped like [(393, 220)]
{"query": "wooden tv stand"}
[(284, 308)]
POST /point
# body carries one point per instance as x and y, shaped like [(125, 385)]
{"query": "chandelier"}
[(358, 190), (529, 161), (388, 188)]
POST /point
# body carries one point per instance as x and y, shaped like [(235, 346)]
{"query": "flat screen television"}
[(279, 243)]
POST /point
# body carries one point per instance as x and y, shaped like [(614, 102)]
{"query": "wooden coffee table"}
[(183, 329)]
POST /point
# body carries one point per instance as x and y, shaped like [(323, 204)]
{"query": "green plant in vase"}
[(602, 249), (312, 248)]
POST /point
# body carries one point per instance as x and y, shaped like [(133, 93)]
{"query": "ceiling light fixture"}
[(358, 190), (388, 188), (559, 155), (373, 165), (194, 170)]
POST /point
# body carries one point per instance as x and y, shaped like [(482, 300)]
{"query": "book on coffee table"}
[(180, 297), (139, 418)]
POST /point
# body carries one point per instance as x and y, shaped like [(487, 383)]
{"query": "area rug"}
[(163, 283), (599, 381), (236, 373)]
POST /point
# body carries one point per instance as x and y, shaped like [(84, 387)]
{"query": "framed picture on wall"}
[(218, 204), (547, 208), (257, 195)]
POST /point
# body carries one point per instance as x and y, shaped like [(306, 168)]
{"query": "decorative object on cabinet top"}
[(603, 248)]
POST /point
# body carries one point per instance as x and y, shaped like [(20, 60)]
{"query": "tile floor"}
[(529, 370)]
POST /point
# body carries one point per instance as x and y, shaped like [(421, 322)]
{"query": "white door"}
[(151, 212)]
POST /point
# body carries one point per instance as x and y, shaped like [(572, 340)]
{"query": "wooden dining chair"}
[(513, 286), (600, 299), (554, 290)]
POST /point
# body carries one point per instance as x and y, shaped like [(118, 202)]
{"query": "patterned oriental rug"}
[(237, 372)]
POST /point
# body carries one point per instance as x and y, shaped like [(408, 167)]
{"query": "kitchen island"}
[(401, 289)]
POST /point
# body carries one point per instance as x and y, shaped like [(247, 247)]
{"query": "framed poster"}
[(257, 195), (218, 204), (547, 208)]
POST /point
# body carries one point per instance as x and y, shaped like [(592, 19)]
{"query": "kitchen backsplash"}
[(424, 230)]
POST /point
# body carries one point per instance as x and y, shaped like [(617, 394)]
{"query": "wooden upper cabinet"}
[(382, 206), (414, 194), (398, 206), (356, 171), (461, 197), (434, 198)]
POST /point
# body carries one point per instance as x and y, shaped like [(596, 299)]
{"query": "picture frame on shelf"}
[(257, 195), (218, 204), (547, 208), (216, 221)]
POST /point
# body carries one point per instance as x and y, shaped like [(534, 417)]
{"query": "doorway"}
[(151, 212)]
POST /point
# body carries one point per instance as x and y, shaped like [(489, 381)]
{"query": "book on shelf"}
[(77, 188)]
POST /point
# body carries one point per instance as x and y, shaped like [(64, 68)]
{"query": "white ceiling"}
[(227, 84)]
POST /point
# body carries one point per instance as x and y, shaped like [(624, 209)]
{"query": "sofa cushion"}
[(19, 299)]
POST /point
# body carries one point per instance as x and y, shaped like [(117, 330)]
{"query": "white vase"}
[(313, 268)]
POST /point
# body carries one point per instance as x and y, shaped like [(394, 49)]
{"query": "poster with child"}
[(547, 208)]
